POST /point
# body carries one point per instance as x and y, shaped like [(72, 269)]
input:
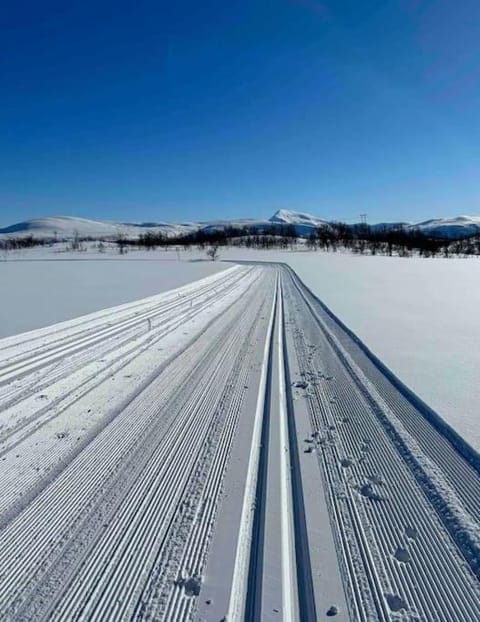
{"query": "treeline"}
[(363, 239), (10, 244), (360, 239), (276, 236)]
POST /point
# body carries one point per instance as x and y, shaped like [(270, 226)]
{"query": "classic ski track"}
[(121, 528), (379, 526), (222, 351), (24, 343), (297, 590), (11, 435), (79, 341)]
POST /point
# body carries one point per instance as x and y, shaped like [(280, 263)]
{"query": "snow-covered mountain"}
[(287, 217), (453, 228), (304, 223), (66, 227)]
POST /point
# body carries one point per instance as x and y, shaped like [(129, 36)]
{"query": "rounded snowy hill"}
[(453, 228), (66, 227)]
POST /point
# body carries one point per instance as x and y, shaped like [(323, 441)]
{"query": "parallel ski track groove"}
[(298, 571), (460, 589), (123, 523), (33, 422), (306, 598), (193, 401), (253, 597), (90, 323)]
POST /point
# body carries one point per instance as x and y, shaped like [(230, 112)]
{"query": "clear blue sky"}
[(222, 108)]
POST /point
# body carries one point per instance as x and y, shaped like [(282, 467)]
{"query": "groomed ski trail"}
[(227, 450)]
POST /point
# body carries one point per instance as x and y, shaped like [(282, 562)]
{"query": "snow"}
[(154, 459), (55, 287), (451, 227), (419, 316), (66, 227), (289, 217)]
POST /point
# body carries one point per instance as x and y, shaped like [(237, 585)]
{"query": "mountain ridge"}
[(66, 227)]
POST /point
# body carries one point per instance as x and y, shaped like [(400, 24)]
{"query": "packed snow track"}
[(227, 451)]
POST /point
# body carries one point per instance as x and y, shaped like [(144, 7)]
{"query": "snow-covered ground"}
[(41, 287), (226, 450), (420, 316)]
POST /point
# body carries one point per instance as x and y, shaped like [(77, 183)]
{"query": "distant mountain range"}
[(66, 227)]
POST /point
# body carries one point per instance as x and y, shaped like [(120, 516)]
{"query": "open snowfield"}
[(226, 450), (419, 316), (40, 287)]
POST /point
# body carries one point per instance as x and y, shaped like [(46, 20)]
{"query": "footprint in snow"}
[(365, 446), (191, 585), (367, 491), (411, 533), (301, 385), (402, 555), (332, 611), (396, 602)]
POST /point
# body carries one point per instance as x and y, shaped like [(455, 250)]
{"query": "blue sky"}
[(198, 110)]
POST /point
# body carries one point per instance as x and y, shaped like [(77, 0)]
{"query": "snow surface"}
[(53, 287), (419, 316), (128, 441)]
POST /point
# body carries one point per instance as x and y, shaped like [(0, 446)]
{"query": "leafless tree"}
[(212, 252)]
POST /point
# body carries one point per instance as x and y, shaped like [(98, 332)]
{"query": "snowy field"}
[(41, 287), (419, 316), (226, 451)]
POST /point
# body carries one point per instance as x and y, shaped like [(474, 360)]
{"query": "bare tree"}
[(76, 244), (212, 252)]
